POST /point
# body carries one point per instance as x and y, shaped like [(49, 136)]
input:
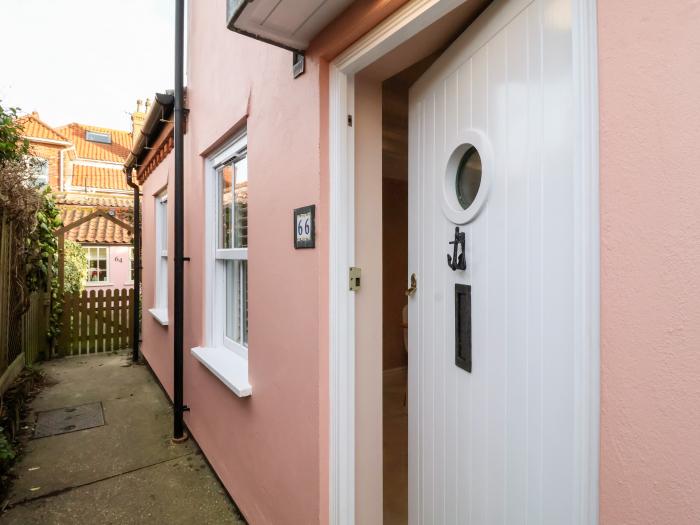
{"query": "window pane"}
[(164, 224), (241, 204), (236, 327), (225, 174)]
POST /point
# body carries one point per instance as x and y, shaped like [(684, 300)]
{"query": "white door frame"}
[(409, 20)]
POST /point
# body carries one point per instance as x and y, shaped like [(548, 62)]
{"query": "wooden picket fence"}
[(35, 327), (23, 331), (96, 321)]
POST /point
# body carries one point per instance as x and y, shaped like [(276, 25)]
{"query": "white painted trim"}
[(230, 368), (106, 164), (160, 315), (60, 170), (396, 29), (87, 283), (162, 279), (214, 294), (586, 166), (341, 302), (392, 32), (47, 141)]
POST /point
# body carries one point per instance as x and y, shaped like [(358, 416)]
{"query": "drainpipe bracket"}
[(180, 440)]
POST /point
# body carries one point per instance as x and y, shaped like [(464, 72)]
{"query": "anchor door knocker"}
[(457, 260)]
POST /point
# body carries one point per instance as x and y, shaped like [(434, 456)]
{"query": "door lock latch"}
[(414, 286), (355, 275)]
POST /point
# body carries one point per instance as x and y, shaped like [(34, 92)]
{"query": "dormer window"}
[(97, 136)]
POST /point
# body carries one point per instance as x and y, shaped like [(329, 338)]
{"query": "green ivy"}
[(33, 217), (42, 258)]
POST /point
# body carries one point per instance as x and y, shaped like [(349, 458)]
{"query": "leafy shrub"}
[(75, 267)]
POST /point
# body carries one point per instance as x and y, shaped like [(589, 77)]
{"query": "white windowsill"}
[(226, 365), (97, 283), (160, 315)]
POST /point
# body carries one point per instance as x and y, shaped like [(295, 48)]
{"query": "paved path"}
[(125, 472)]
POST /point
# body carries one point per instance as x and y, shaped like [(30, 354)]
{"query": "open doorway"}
[(481, 100), (395, 300), (381, 141)]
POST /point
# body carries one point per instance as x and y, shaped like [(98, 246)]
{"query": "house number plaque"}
[(305, 227)]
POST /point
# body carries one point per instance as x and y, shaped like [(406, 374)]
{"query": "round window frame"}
[(451, 207)]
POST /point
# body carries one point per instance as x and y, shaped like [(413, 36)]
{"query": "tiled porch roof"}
[(96, 231)]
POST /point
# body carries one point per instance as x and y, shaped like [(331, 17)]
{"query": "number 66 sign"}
[(305, 227)]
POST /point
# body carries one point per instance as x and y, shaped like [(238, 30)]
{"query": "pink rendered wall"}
[(266, 448), (650, 255), (157, 345), (119, 270), (269, 450)]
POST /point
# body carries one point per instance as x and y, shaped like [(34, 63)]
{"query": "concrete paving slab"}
[(134, 439), (100, 376), (179, 491), (69, 419)]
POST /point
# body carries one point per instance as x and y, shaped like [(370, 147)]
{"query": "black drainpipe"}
[(179, 262), (136, 307)]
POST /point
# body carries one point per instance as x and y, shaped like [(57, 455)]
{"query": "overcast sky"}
[(85, 61)]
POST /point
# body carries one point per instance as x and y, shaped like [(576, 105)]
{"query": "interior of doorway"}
[(394, 299), (381, 93)]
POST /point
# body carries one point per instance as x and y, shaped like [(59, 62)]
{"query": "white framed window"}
[(131, 265), (230, 264), (160, 303), (225, 352), (98, 267)]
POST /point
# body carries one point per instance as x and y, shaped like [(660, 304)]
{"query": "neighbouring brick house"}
[(83, 164)]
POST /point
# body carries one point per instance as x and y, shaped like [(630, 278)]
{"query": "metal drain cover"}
[(69, 419)]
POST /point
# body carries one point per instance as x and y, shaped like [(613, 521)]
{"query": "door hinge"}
[(355, 274), (350, 120)]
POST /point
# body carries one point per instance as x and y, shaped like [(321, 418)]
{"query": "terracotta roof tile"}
[(97, 231), (104, 201), (103, 178), (35, 128), (117, 151)]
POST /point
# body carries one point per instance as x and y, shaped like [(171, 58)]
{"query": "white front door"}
[(492, 153)]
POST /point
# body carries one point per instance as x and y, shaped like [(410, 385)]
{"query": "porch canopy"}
[(290, 24)]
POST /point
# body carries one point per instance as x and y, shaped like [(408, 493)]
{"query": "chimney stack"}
[(137, 119)]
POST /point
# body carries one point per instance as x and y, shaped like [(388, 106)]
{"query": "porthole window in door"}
[(468, 178)]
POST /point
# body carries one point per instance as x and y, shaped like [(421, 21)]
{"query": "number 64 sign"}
[(305, 227)]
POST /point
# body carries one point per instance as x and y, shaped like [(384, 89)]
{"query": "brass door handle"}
[(414, 286)]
